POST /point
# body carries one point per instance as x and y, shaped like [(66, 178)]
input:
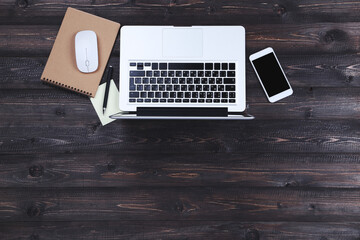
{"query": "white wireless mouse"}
[(86, 51)]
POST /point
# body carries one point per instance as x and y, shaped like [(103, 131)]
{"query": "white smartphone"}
[(270, 74)]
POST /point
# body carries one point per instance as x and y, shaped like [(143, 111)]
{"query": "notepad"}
[(112, 104), (61, 69)]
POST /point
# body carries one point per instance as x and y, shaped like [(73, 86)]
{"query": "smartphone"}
[(270, 74)]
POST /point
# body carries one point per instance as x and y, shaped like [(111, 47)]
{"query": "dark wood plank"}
[(302, 71), (179, 203), (184, 11), (56, 107), (179, 230), (153, 170), (291, 39), (154, 136)]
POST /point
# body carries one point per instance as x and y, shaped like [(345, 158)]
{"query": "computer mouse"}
[(86, 51)]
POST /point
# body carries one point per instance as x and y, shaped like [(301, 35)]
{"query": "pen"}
[(108, 79)]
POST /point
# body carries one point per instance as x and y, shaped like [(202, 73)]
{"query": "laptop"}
[(171, 72)]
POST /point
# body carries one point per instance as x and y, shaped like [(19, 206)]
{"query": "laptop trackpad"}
[(182, 43)]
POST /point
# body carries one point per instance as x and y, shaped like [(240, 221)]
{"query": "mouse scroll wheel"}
[(87, 63)]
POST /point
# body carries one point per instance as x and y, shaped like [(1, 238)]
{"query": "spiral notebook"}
[(61, 69)]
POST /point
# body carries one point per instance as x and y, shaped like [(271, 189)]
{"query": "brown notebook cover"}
[(61, 69)]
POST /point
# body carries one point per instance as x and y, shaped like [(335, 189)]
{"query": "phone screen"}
[(270, 74)]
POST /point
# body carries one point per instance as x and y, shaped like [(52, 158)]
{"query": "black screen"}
[(270, 74)]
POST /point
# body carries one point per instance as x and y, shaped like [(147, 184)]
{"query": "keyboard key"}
[(178, 100), (231, 73), (161, 87), (164, 73), (137, 73), (174, 81), (170, 100), (143, 94), (217, 66), (176, 87), (207, 73), (218, 81), (160, 81), (208, 66), (231, 66), (193, 100), (206, 87), (231, 100), (224, 66), (179, 73), (194, 94), (152, 80), (202, 95), (200, 73), (162, 100), (196, 80), (155, 66), (224, 100), (216, 100), (151, 94), (192, 73), (211, 80), (138, 80), (230, 88), (158, 94), (163, 66), (147, 100), (147, 87), (201, 100), (209, 95), (147, 64), (165, 94), (167, 80), (155, 100), (189, 66), (191, 88), (169, 87), (132, 100), (221, 88), (213, 88), (189, 81), (186, 100), (140, 100), (232, 95), (229, 80), (222, 73), (171, 74), (173, 94), (154, 87), (187, 95), (208, 100), (156, 73), (180, 95), (149, 73), (204, 81), (182, 80), (140, 66), (132, 84), (198, 88), (145, 80), (132, 64), (183, 87), (139, 87), (186, 73), (215, 73), (224, 95), (216, 95)]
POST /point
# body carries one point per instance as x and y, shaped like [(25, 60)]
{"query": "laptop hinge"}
[(182, 111)]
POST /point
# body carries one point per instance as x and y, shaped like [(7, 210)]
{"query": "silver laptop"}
[(169, 72)]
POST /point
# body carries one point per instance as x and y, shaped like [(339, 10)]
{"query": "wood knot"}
[(36, 171), (35, 210), (312, 207), (349, 79), (279, 9), (308, 113), (211, 9), (60, 112), (111, 167), (334, 35), (34, 237), (179, 207), (252, 234), (22, 3)]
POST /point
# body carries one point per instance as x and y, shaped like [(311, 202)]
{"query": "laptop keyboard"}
[(154, 82)]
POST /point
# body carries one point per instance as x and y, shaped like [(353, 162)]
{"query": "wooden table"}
[(293, 173)]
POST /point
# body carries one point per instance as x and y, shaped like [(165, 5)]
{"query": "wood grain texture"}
[(290, 39), (153, 136), (55, 107), (180, 11), (133, 170), (179, 230), (179, 203), (303, 71)]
